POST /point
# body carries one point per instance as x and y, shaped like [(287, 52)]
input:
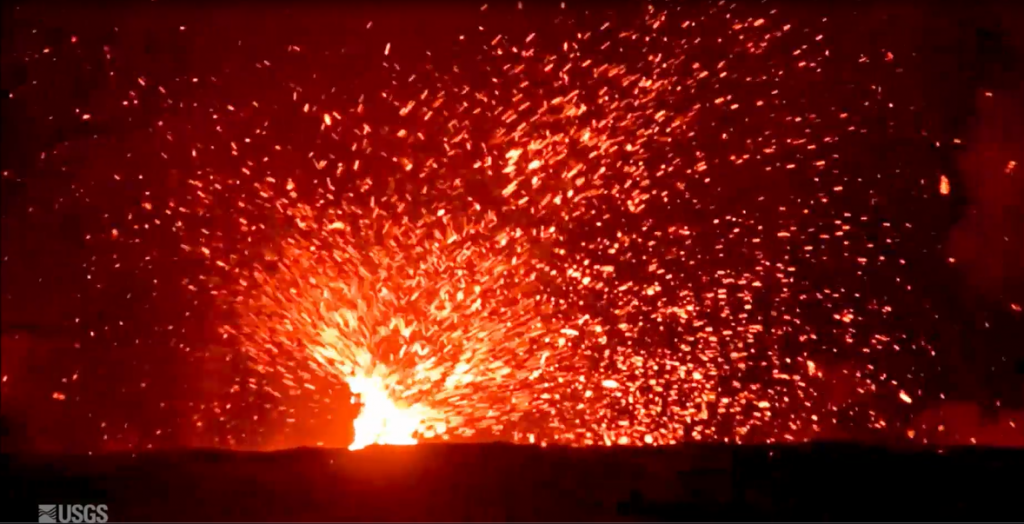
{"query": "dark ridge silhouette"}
[(491, 482)]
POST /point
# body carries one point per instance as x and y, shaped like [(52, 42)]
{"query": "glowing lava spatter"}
[(602, 235), (502, 283)]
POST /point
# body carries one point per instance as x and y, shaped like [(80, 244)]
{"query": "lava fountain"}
[(382, 420), (424, 321)]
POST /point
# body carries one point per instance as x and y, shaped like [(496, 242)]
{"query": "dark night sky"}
[(952, 57)]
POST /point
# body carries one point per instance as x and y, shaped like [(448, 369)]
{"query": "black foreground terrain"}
[(503, 482)]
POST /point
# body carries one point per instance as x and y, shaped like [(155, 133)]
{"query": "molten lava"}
[(381, 420)]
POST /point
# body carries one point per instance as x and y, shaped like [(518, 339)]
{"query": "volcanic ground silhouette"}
[(525, 483)]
